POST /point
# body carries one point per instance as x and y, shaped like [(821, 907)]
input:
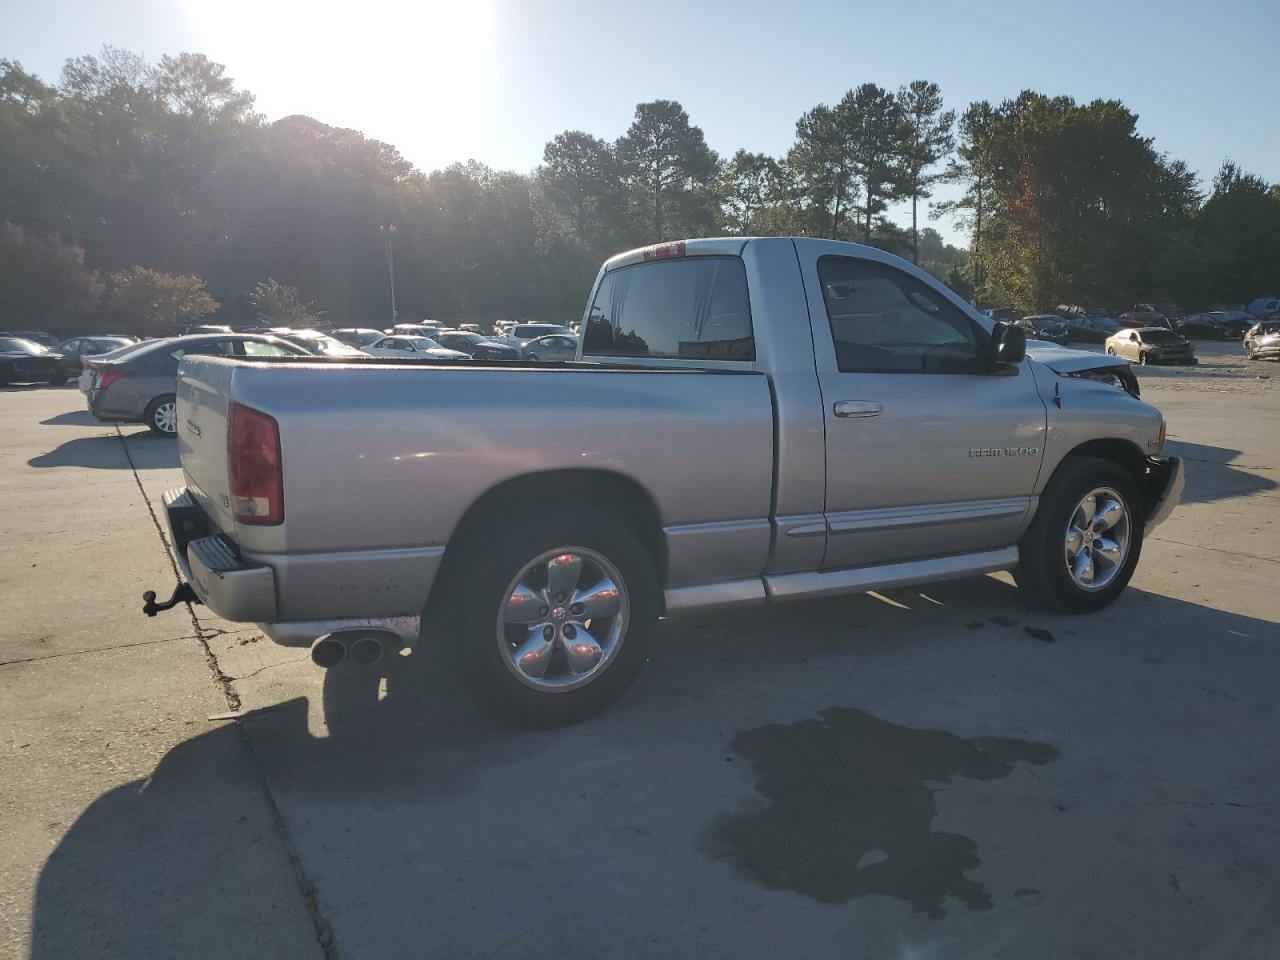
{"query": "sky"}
[(493, 80)]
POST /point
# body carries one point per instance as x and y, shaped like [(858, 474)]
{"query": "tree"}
[(929, 140), (580, 176), (971, 166), (279, 305), (194, 86), (822, 168), (670, 167), (44, 284), (748, 184), (876, 133), (152, 303)]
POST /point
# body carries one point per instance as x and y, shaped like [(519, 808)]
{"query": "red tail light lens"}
[(106, 378), (253, 466)]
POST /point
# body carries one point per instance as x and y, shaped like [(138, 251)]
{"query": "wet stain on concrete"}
[(850, 810)]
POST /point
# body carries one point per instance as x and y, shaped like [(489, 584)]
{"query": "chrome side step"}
[(827, 583)]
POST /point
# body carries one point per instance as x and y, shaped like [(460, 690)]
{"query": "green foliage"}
[(44, 284), (930, 139), (166, 165), (670, 170), (280, 305), (151, 303)]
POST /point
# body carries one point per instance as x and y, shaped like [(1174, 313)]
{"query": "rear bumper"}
[(245, 591), (1167, 477), (226, 584)]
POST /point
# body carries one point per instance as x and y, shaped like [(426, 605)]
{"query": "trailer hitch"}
[(182, 593)]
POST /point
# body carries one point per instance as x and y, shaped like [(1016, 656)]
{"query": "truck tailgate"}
[(203, 392)]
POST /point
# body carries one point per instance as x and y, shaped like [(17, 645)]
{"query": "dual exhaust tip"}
[(362, 647)]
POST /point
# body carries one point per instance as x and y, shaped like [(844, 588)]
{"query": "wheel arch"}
[(615, 493), (1124, 454)]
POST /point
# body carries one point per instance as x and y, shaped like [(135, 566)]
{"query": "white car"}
[(521, 333), (408, 348)]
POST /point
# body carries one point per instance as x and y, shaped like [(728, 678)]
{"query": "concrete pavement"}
[(928, 772)]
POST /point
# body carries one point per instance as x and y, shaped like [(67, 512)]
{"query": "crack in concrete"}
[(91, 650), (1230, 553), (272, 666), (310, 896)]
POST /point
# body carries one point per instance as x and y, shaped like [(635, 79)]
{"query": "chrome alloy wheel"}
[(1097, 539), (564, 619), (166, 417)]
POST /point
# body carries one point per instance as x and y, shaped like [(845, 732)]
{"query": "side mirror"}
[(1010, 342)]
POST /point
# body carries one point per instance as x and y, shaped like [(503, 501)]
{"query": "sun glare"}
[(363, 65)]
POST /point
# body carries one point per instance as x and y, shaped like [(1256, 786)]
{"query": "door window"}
[(885, 321)]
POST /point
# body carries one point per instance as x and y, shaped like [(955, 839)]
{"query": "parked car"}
[(1005, 314), (1143, 319), (1146, 345), (356, 336), (412, 348), (477, 346), (1046, 326), (1262, 342), (1092, 328), (850, 424), (555, 347), (25, 361), (314, 342), (1210, 326), (521, 333), (1263, 307), (429, 330), (47, 340), (76, 349), (1070, 310), (138, 385)]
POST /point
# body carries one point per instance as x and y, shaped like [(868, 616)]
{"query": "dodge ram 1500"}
[(748, 421)]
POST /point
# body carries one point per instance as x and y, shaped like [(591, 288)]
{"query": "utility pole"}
[(389, 231)]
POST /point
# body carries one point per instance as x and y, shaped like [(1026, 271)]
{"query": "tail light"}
[(106, 378), (253, 466)]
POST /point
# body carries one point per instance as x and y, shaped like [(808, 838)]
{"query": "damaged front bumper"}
[(1166, 478)]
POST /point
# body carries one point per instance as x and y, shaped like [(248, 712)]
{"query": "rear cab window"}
[(693, 308)]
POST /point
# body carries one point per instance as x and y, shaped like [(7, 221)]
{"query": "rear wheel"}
[(1085, 540), (162, 416), (548, 618)]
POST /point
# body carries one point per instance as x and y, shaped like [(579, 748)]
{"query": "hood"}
[(1066, 361)]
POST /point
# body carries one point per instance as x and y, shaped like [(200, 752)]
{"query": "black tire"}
[(476, 587), (150, 415), (1042, 569)]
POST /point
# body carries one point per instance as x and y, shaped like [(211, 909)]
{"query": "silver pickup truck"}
[(749, 421)]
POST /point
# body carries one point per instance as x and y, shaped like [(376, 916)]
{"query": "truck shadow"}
[(1213, 474), (788, 750)]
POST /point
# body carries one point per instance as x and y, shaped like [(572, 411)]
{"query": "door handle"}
[(857, 408)]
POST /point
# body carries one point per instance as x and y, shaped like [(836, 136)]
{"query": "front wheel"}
[(1084, 543), (162, 416), (548, 618)]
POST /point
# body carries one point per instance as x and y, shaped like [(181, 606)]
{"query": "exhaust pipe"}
[(328, 652), (366, 650)]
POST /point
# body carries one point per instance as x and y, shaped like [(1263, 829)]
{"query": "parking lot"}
[(925, 772)]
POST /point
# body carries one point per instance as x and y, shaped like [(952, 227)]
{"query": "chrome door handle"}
[(857, 408)]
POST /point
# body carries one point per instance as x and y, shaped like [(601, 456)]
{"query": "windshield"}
[(15, 345)]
